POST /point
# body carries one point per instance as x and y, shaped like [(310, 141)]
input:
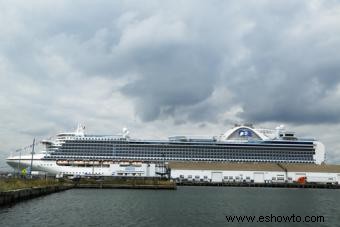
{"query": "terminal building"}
[(254, 172)]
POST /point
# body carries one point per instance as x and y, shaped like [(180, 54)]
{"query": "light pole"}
[(32, 158), (19, 169)]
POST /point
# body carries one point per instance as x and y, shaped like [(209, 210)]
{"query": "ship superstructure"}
[(80, 153)]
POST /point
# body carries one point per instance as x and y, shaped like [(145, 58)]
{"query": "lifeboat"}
[(124, 163), (137, 164), (79, 162), (62, 162)]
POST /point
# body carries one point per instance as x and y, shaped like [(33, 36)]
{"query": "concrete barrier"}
[(126, 186), (14, 196)]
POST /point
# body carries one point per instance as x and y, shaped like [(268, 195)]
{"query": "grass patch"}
[(13, 184)]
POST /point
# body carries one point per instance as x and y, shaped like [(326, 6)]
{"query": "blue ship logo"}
[(245, 132)]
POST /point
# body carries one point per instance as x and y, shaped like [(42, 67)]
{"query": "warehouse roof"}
[(224, 166), (323, 168), (254, 166)]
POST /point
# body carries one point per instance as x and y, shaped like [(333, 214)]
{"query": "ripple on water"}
[(187, 206)]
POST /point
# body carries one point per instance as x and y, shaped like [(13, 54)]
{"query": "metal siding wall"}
[(216, 176), (258, 177)]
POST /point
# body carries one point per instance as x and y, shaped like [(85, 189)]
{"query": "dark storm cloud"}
[(175, 64), (278, 61), (178, 76), (291, 73), (178, 62)]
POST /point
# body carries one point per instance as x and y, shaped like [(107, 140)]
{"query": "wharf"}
[(16, 190), (126, 183), (264, 185), (124, 186), (13, 196)]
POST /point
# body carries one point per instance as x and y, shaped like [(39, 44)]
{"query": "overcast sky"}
[(168, 67)]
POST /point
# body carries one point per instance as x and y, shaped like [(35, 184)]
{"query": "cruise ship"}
[(78, 153)]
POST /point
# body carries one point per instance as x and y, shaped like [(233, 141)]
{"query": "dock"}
[(16, 190), (262, 185), (14, 196), (126, 183)]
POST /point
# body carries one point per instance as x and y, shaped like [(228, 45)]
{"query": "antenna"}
[(80, 130), (32, 157)]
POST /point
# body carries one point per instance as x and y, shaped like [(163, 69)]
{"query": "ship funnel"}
[(278, 130), (125, 133)]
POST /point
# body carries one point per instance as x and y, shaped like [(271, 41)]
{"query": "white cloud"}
[(163, 68)]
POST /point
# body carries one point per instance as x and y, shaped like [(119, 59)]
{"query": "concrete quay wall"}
[(14, 196)]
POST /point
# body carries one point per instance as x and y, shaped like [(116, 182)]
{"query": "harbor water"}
[(186, 206)]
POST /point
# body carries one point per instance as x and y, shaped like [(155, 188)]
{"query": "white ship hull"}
[(112, 169)]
